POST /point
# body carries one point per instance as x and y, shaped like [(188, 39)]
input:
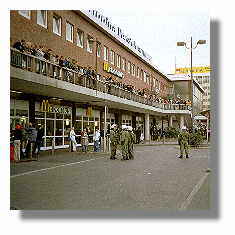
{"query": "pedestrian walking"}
[(32, 136), (84, 140), (183, 141), (131, 141), (72, 136), (17, 138), (124, 140), (39, 138), (96, 139), (114, 141)]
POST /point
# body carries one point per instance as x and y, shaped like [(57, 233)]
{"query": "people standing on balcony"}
[(19, 45), (73, 140), (84, 140)]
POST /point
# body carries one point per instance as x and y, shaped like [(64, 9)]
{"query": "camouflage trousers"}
[(113, 150), (183, 147)]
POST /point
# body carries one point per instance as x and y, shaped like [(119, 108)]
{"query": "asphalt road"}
[(155, 179)]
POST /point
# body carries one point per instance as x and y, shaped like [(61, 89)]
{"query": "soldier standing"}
[(131, 141), (114, 141), (124, 139), (183, 140)]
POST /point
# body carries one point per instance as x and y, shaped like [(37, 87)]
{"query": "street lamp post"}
[(191, 66)]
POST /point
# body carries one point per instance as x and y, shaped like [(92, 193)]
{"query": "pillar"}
[(105, 127), (146, 128), (181, 121), (170, 120)]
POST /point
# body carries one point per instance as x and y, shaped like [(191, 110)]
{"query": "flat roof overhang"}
[(37, 84)]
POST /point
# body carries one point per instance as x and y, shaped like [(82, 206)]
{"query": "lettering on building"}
[(47, 107), (111, 70), (194, 70), (106, 24)]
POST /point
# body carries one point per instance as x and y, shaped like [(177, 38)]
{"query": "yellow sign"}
[(109, 69), (45, 106), (194, 70), (89, 112)]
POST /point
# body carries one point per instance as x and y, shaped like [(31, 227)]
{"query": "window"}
[(24, 13), (42, 18), (90, 41), (133, 70), (80, 37), (69, 32), (98, 45), (138, 72), (124, 64), (145, 76), (118, 61), (112, 55), (57, 25), (129, 67), (106, 53)]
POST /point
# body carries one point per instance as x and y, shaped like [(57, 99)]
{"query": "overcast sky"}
[(158, 32)]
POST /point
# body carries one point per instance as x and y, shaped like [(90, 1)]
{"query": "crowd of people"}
[(72, 65), (29, 139)]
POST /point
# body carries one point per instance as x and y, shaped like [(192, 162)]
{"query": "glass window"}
[(106, 53), (145, 76), (25, 13), (42, 18), (98, 49), (39, 114), (20, 112), (80, 37), (133, 70), (69, 32), (138, 72), (90, 41), (59, 128), (123, 64), (50, 127), (129, 67), (112, 57), (118, 61), (57, 25)]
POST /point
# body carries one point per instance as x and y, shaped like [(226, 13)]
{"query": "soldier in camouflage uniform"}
[(183, 140), (131, 141), (124, 140), (114, 141)]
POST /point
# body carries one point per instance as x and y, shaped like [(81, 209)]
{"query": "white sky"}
[(158, 33)]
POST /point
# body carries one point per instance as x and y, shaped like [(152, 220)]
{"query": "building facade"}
[(46, 93)]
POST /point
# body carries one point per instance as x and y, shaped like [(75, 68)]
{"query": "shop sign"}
[(109, 69), (116, 32), (194, 70), (89, 112), (47, 107)]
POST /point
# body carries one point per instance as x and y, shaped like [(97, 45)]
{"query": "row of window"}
[(108, 54)]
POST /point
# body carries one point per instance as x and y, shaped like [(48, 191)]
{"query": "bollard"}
[(53, 147), (163, 139), (31, 151)]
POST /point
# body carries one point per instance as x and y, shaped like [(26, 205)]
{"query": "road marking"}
[(50, 168), (189, 199)]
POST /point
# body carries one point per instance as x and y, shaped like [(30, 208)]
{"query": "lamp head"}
[(201, 42), (180, 44)]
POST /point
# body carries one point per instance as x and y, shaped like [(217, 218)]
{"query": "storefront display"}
[(56, 120)]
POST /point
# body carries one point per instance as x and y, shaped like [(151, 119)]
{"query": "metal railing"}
[(47, 68)]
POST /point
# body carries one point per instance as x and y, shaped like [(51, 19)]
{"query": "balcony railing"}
[(47, 68)]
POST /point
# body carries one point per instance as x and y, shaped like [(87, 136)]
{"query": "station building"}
[(60, 102)]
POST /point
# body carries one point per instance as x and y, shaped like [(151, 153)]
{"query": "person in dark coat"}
[(38, 143), (32, 136)]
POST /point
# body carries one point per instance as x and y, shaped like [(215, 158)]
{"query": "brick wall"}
[(29, 30)]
